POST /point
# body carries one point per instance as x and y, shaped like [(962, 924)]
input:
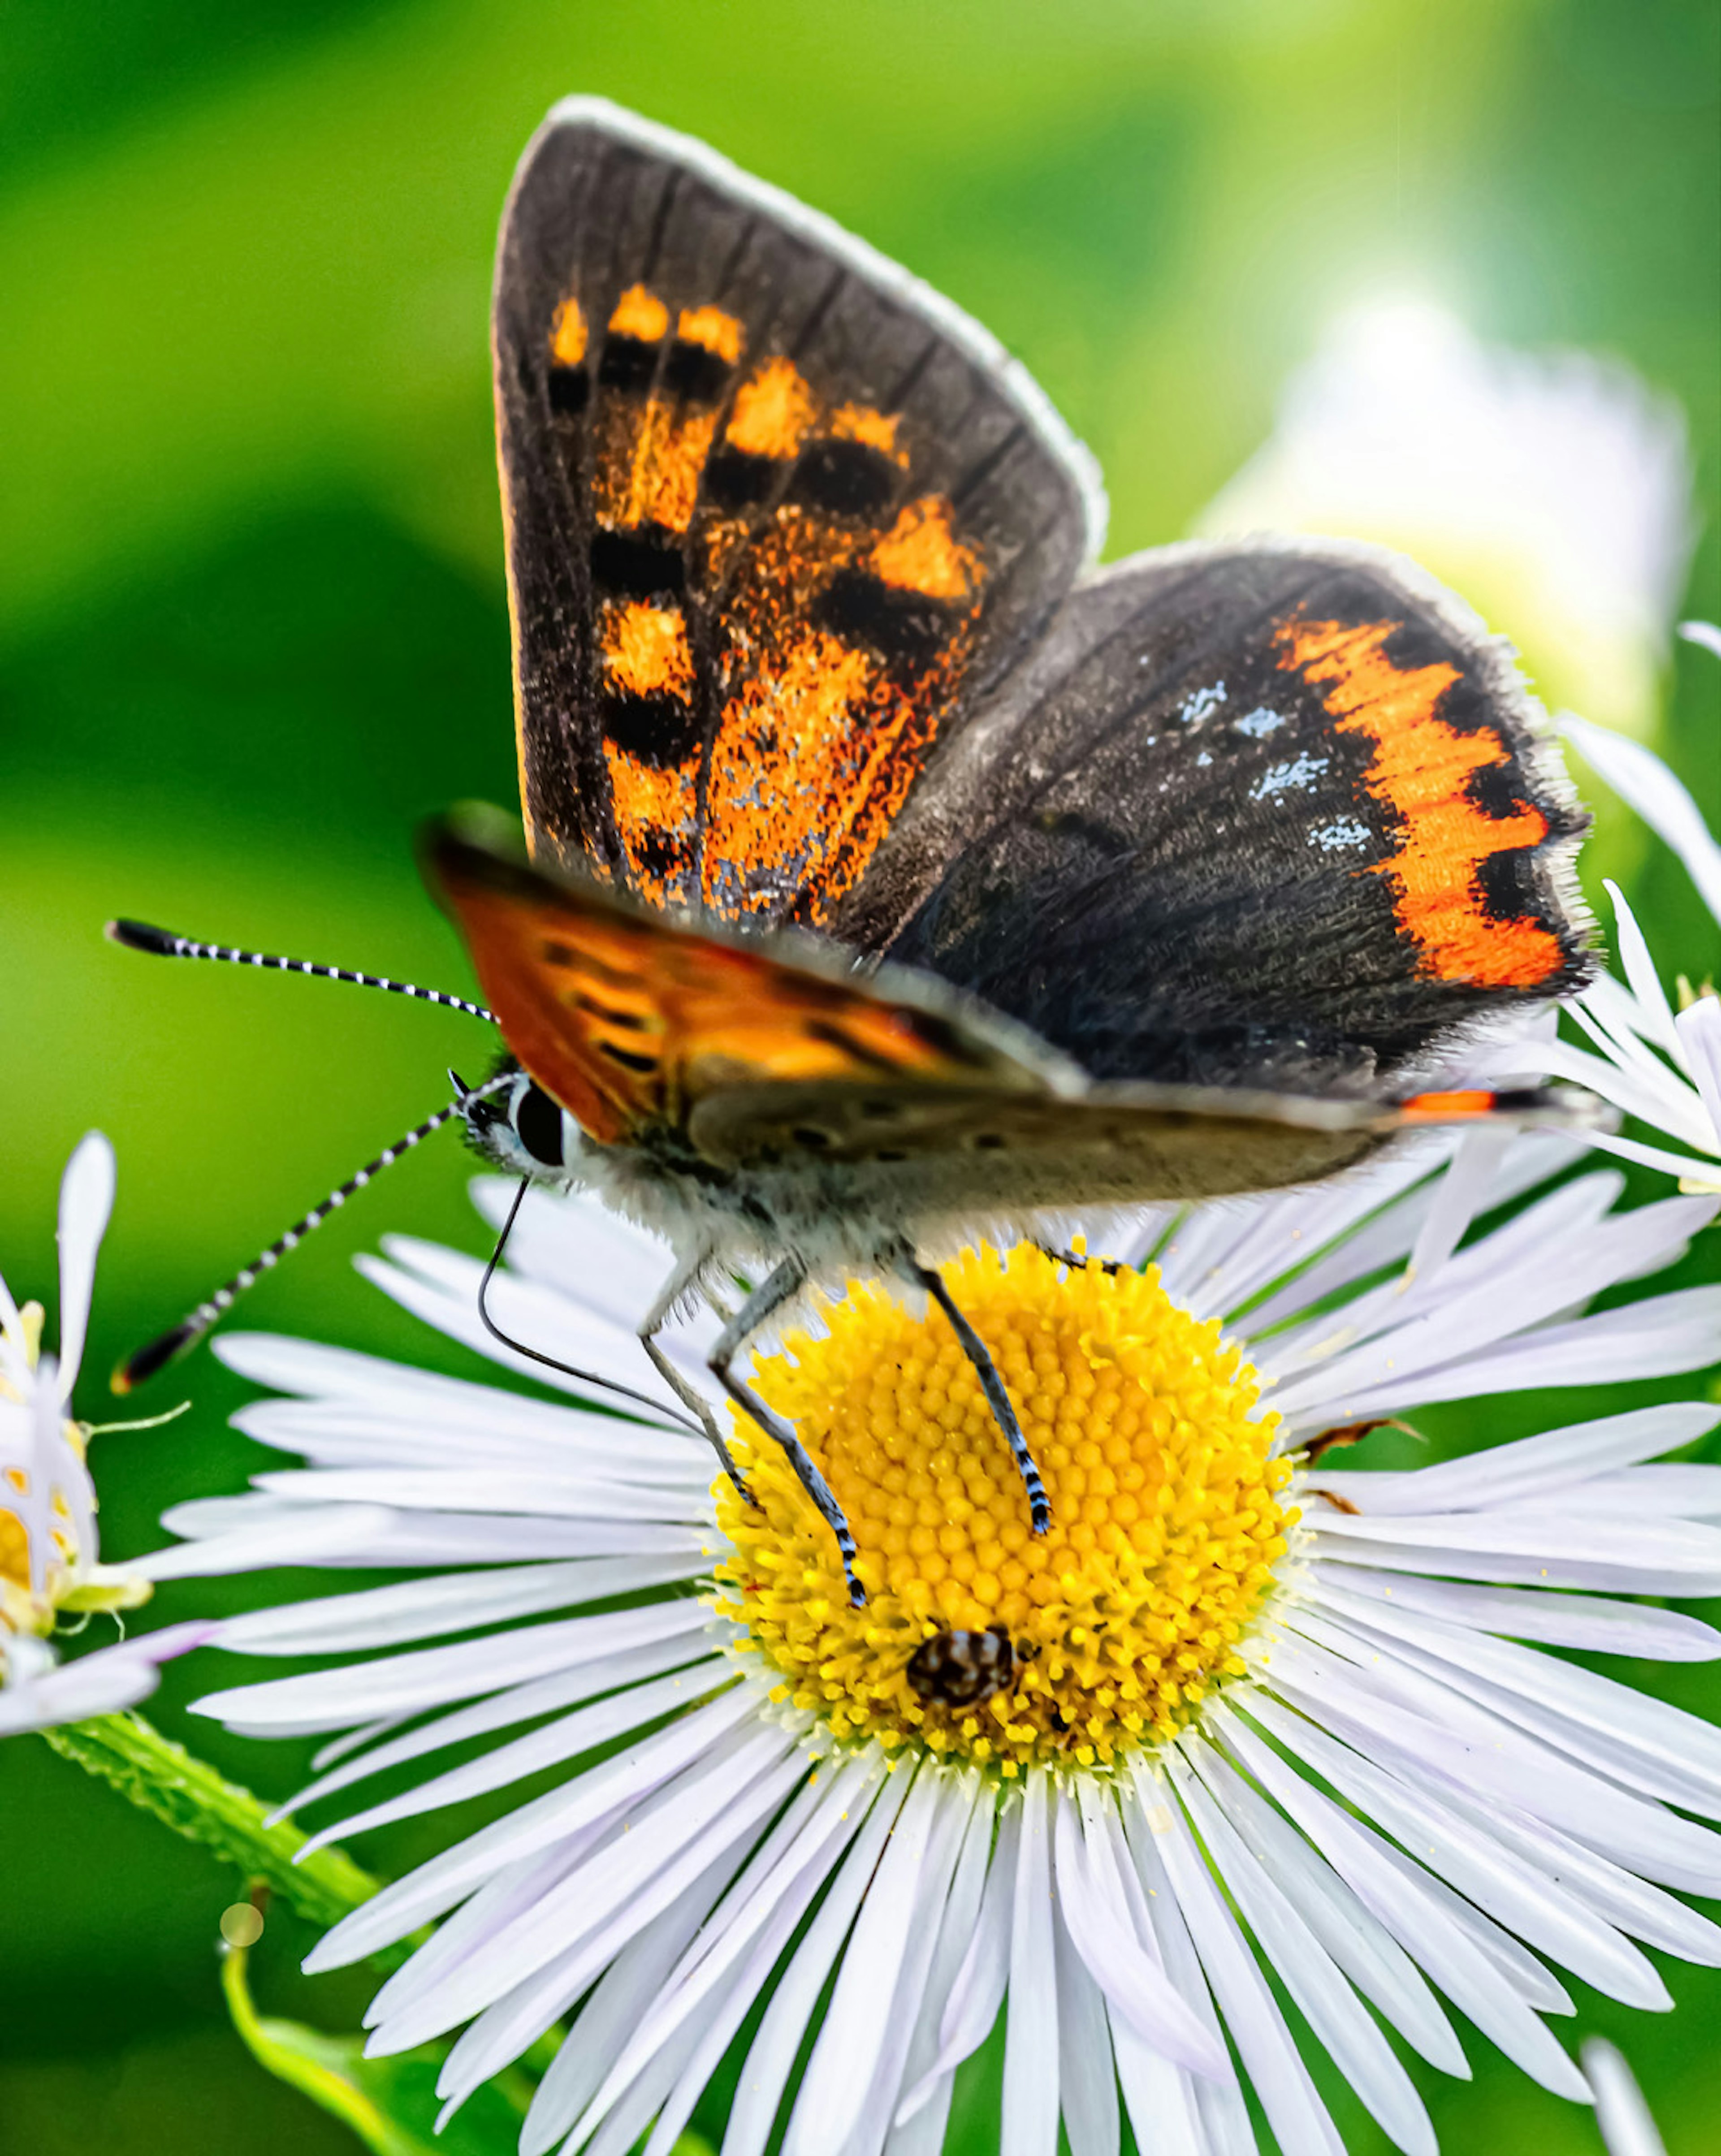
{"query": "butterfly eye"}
[(538, 1123)]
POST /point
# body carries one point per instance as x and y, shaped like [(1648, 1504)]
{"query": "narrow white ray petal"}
[(453, 1602), (338, 1748), (1214, 2110), (1031, 2053), (957, 1800), (105, 1682), (771, 2055), (1546, 1548), (597, 1794), (1699, 1036), (361, 1432), (923, 2134), (635, 1878), (1654, 1015), (1407, 1902), (1506, 1476), (1627, 2126), (86, 1201), (624, 1992), (518, 1703), (852, 2033), (438, 1676), (620, 2133), (1677, 1755), (1356, 1939), (1704, 633), (1393, 1712), (1281, 2081), (1089, 1895), (1551, 1620), (977, 1991), (957, 1927), (523, 1976), (714, 1985), (565, 1738), (1332, 2010), (578, 1495), (1640, 1911), (1087, 2075), (1645, 783), (294, 1535), (1655, 1338)]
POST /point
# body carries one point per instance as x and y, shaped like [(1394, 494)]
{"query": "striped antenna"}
[(159, 1352), (162, 943)]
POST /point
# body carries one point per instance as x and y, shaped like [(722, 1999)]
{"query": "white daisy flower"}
[(1660, 1065), (50, 1567), (1242, 1718), (1627, 2129), (1551, 489)]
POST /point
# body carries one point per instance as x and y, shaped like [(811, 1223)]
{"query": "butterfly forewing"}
[(777, 516)]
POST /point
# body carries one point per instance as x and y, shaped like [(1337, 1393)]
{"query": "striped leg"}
[(686, 1272), (768, 1298), (986, 1370)]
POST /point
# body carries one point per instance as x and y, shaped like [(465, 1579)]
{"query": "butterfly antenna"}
[(519, 1346), (159, 1352), (163, 943)]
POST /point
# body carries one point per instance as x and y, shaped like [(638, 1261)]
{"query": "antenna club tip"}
[(139, 935), (137, 1369)]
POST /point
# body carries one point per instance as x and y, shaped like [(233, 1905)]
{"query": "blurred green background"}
[(252, 628)]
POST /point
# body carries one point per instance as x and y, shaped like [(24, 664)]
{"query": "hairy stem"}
[(186, 1793)]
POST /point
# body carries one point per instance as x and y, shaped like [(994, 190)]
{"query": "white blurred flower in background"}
[(1620, 2112), (50, 1567), (1551, 489)]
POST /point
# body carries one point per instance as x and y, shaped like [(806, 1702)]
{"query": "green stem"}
[(186, 1793)]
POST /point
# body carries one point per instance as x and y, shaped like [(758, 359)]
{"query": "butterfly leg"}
[(986, 1370), (769, 1297), (1078, 1261), (685, 1277)]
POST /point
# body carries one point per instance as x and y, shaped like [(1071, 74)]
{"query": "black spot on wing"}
[(734, 479), (644, 563), (1505, 884), (848, 479), (656, 730), (902, 627), (628, 364), (694, 373), (570, 391)]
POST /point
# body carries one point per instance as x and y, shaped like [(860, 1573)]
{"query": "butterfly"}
[(890, 869)]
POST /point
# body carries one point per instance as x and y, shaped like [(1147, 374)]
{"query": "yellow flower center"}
[(1103, 1635)]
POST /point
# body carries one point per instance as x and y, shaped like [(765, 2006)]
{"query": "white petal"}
[(334, 1699), (584, 1730), (1405, 1900), (286, 1535), (1545, 1548), (1308, 1971), (343, 1432), (1552, 1620), (771, 2056), (1031, 2053), (1355, 1939), (956, 1928), (1091, 1893), (575, 1494), (105, 1682), (86, 1201), (977, 1991), (1087, 2074), (593, 1797), (453, 1602), (1627, 2127), (1505, 1476), (1281, 2081), (523, 1702), (1644, 782), (1699, 1031)]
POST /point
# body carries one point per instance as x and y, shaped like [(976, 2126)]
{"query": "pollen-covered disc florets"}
[(1167, 1521)]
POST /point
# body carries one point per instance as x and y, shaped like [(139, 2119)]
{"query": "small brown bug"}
[(962, 1668)]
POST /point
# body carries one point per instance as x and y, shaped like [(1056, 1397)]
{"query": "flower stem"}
[(186, 1793)]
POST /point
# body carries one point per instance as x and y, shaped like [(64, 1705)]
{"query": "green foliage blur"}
[(253, 629)]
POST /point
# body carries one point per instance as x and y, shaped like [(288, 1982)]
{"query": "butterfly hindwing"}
[(1270, 814), (777, 516)]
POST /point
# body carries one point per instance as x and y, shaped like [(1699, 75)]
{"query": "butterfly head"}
[(519, 1127)]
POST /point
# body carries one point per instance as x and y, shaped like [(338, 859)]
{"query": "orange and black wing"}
[(632, 1022), (1275, 815), (776, 514)]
